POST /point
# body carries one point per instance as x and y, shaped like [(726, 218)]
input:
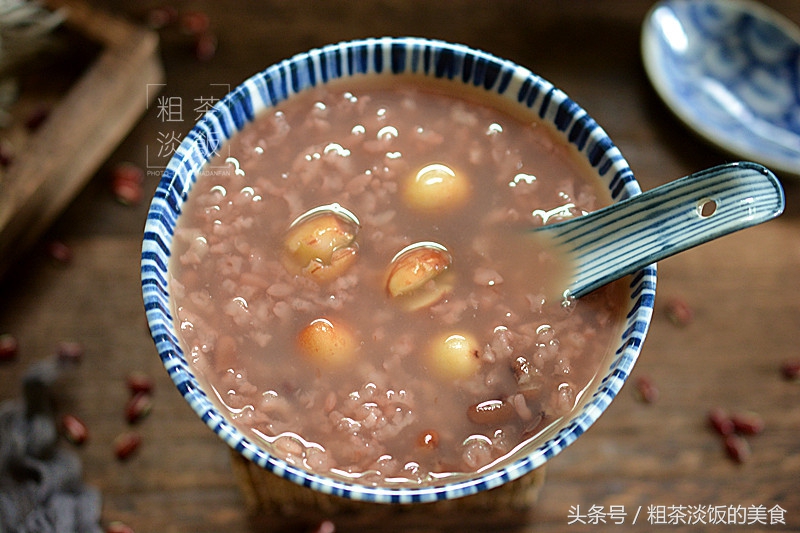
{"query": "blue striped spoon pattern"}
[(628, 235)]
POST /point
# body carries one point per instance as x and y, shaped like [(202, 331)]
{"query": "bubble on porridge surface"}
[(477, 451), (568, 302), (437, 188), (555, 214), (564, 399), (490, 412), (521, 179)]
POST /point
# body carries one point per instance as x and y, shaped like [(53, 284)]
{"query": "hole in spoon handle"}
[(626, 236), (706, 207)]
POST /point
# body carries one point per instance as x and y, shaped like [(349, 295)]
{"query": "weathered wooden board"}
[(83, 128)]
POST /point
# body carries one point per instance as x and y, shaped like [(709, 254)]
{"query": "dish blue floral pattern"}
[(386, 56), (729, 70)]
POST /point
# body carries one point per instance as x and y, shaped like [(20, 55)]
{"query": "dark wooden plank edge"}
[(68, 149)]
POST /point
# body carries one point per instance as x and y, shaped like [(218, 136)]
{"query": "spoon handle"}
[(629, 235)]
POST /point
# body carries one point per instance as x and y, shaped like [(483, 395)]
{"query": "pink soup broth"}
[(379, 324)]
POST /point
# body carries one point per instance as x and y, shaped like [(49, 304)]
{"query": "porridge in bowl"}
[(354, 284)]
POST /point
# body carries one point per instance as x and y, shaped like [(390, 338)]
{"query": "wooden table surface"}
[(639, 457)]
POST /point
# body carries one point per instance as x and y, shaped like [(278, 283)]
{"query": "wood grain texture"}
[(81, 131)]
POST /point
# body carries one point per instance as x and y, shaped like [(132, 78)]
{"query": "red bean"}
[(737, 448), (205, 46), (791, 369), (195, 22), (720, 421), (126, 445), (6, 155), (127, 172), (747, 423), (69, 351), (37, 117), (59, 252), (126, 183), (646, 389), (679, 312), (118, 527), (326, 526), (490, 412), (138, 407), (9, 347), (127, 191), (74, 429), (161, 17), (138, 381)]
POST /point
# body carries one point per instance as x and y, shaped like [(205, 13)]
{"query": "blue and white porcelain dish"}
[(460, 65), (728, 70)]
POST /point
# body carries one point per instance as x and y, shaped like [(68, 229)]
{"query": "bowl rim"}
[(384, 56)]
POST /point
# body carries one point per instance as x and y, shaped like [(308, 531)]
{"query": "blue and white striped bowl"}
[(385, 57)]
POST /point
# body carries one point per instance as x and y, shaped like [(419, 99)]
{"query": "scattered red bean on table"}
[(721, 421), (195, 22), (126, 445), (326, 526), (737, 448), (205, 46), (59, 252), (679, 312), (747, 423), (161, 17), (138, 381), (37, 117), (70, 351), (127, 183), (791, 369), (138, 407), (9, 347), (74, 429), (646, 389), (118, 527), (6, 155), (734, 428)]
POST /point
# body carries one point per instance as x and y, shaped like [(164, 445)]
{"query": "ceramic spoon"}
[(612, 242)]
